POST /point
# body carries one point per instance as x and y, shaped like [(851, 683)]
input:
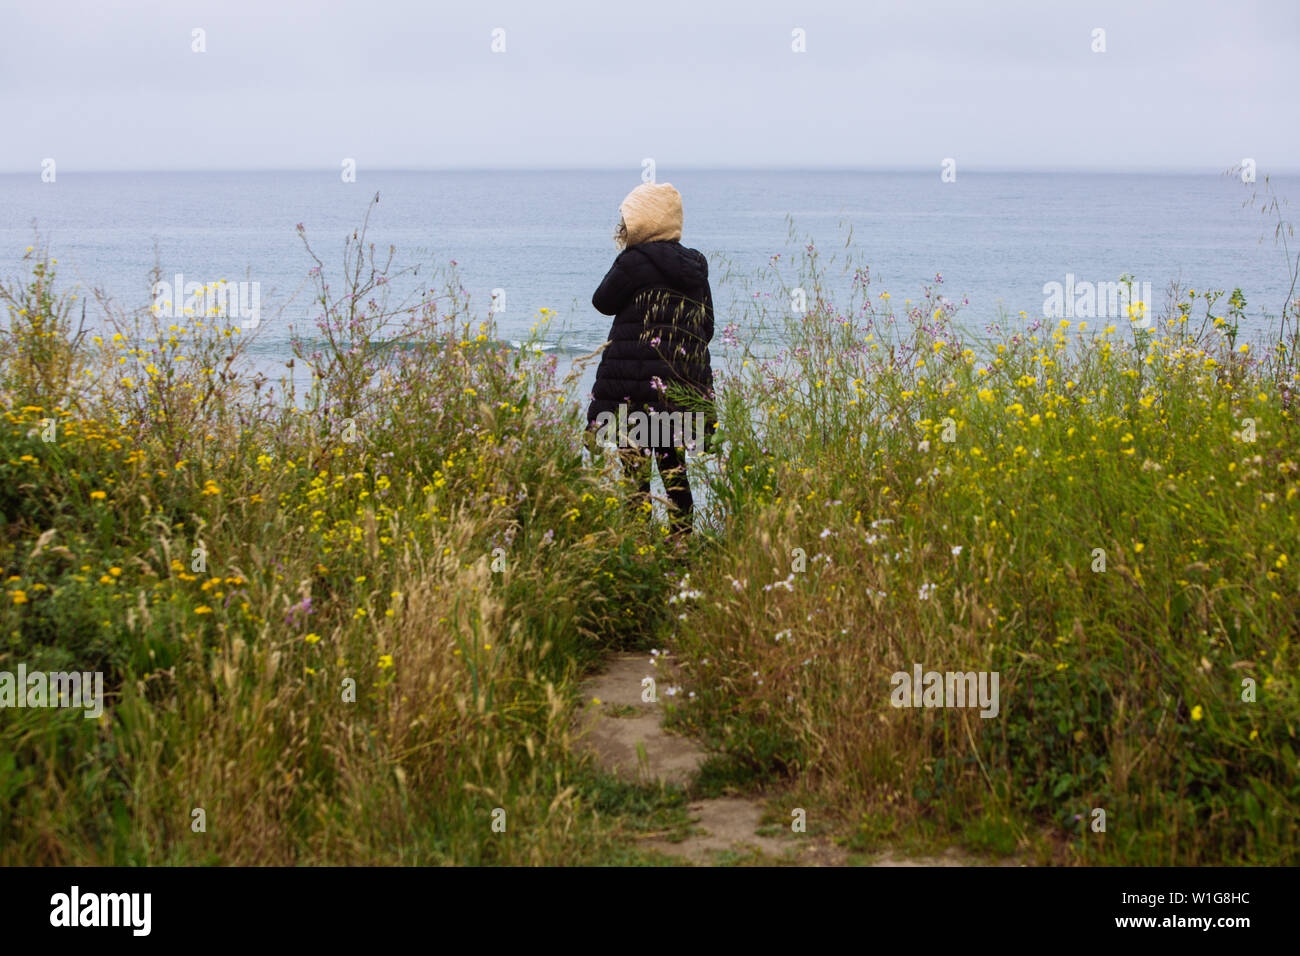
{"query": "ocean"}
[(544, 237)]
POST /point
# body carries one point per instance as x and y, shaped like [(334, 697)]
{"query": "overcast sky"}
[(302, 84)]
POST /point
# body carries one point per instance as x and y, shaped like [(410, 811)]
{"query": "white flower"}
[(781, 634), (956, 550), (923, 446)]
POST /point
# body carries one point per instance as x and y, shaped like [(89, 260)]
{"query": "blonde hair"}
[(620, 234)]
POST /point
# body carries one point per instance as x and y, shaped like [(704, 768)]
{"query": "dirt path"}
[(627, 738)]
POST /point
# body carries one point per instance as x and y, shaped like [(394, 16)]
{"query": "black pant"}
[(671, 463)]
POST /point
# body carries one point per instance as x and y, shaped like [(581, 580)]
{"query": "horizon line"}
[(633, 170)]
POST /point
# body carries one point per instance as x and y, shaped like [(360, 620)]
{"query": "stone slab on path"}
[(623, 727)]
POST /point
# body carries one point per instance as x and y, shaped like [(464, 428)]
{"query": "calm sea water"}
[(544, 237)]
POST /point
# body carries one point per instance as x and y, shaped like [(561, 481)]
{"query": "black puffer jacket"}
[(659, 295)]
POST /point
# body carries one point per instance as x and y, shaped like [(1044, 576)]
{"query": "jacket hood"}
[(652, 211), (679, 267)]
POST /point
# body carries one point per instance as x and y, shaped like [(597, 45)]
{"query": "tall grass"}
[(343, 620), (343, 614), (1104, 515)]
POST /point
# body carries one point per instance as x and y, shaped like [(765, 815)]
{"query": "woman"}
[(656, 365)]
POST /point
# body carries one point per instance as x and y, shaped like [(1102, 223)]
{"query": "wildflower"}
[(19, 597), (98, 495), (1197, 712), (203, 609), (956, 550), (311, 638)]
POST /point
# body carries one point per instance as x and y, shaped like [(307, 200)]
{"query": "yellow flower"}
[(385, 661), (1197, 712), (203, 609), (19, 597), (116, 572), (98, 495), (312, 638)]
